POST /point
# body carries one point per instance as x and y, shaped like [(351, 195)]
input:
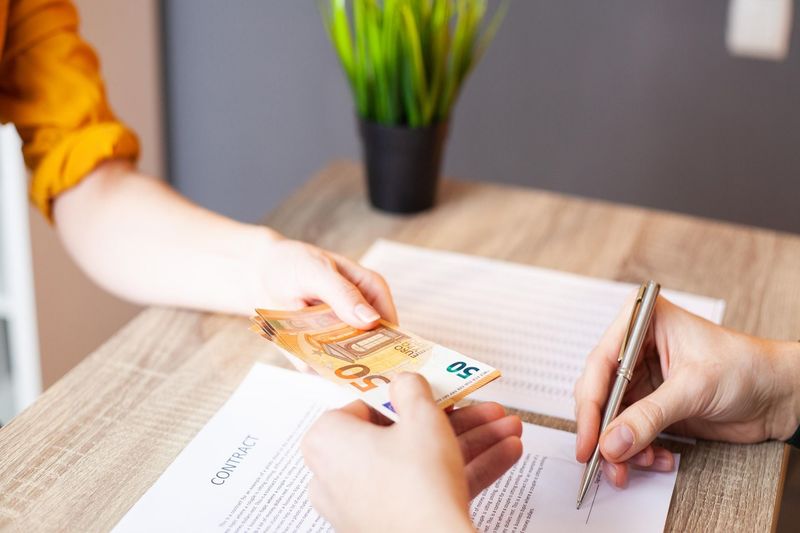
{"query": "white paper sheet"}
[(243, 472), (207, 488), (539, 492), (535, 325)]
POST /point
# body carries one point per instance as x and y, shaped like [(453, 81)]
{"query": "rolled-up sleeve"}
[(52, 91)]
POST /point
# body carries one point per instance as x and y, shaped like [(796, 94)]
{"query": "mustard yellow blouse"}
[(51, 90)]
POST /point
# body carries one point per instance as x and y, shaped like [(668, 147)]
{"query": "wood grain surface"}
[(85, 452)]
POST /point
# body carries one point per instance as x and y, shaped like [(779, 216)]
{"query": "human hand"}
[(415, 475), (288, 274), (694, 378), (294, 274), (179, 254)]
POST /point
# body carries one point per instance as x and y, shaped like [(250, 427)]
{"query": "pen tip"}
[(578, 505)]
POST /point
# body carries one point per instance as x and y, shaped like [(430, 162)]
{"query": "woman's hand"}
[(294, 274), (694, 378), (144, 242), (416, 475)]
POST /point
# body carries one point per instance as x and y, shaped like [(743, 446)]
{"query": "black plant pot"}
[(402, 165)]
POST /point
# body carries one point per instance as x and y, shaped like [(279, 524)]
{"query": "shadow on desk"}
[(789, 517)]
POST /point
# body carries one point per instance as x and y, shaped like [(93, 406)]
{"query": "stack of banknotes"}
[(365, 362)]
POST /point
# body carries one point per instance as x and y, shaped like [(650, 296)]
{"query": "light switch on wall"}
[(759, 28)]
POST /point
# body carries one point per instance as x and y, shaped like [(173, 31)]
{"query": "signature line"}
[(596, 488)]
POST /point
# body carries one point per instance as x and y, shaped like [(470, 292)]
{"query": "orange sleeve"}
[(51, 89)]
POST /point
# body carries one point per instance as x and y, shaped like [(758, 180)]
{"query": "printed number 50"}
[(360, 371), (463, 370)]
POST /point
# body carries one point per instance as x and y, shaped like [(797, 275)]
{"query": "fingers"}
[(588, 430), (663, 461), (345, 299), (591, 390), (487, 467), (479, 439), (357, 409), (412, 398), (638, 425), (372, 286), (489, 441), (475, 415), (616, 474), (644, 458), (361, 410), (653, 459)]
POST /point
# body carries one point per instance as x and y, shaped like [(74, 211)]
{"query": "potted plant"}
[(405, 61)]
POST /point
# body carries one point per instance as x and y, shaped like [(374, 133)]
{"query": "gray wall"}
[(634, 101)]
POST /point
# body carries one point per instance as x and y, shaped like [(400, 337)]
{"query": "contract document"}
[(533, 324), (243, 472)]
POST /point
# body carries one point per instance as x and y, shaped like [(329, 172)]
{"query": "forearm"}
[(142, 241)]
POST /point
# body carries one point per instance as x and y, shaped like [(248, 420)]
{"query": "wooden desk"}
[(95, 441)]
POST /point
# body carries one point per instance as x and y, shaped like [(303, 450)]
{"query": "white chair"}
[(20, 373)]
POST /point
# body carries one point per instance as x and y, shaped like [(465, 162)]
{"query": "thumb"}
[(412, 398), (346, 300), (638, 425)]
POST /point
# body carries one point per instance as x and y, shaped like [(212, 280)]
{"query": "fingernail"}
[(367, 314), (663, 463), (618, 441), (578, 441)]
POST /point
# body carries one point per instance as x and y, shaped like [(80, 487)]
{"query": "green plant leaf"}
[(414, 59), (379, 84), (440, 41), (413, 116), (362, 66), (393, 63), (406, 60), (342, 38)]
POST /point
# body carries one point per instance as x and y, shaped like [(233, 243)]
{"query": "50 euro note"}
[(366, 361)]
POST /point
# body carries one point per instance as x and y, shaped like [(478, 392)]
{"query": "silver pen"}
[(638, 325)]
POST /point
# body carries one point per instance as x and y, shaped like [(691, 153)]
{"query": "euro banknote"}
[(366, 361)]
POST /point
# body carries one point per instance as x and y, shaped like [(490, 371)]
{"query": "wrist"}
[(249, 246), (784, 415), (256, 243), (262, 235)]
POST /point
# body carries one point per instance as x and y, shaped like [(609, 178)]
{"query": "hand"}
[(416, 475), (176, 253), (694, 378), (295, 274)]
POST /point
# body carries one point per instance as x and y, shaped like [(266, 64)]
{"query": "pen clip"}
[(634, 312)]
